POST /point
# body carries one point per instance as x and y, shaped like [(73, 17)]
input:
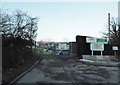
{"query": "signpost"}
[(97, 44), (115, 48), (97, 47)]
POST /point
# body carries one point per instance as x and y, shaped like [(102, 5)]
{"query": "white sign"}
[(114, 47), (97, 46), (89, 40), (63, 46)]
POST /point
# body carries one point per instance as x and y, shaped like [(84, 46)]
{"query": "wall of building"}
[(73, 48)]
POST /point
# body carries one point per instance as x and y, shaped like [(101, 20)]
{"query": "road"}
[(69, 70)]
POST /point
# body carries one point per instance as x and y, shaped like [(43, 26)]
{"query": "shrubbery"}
[(18, 37)]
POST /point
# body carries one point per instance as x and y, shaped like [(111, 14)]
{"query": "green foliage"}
[(40, 50), (43, 52)]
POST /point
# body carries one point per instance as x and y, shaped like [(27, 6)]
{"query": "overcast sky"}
[(62, 21)]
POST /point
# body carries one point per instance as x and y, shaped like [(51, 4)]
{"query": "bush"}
[(13, 53)]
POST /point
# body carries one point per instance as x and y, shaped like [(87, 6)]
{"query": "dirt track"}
[(68, 70)]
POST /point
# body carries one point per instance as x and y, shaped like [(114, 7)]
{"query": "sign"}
[(102, 40), (97, 40), (115, 47), (89, 40), (63, 46), (97, 46)]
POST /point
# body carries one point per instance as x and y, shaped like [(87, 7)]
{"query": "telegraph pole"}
[(119, 20), (109, 27)]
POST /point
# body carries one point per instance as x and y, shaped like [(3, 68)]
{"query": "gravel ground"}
[(68, 70)]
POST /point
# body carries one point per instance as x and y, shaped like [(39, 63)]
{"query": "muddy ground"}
[(68, 70)]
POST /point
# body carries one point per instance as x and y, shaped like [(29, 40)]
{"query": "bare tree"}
[(114, 32), (5, 24), (19, 31), (19, 24), (24, 26)]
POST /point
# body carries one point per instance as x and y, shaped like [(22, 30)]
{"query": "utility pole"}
[(109, 27), (119, 13), (119, 19)]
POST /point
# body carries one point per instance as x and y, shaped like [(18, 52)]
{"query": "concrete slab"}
[(100, 63), (99, 58)]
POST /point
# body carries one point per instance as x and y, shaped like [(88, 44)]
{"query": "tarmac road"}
[(69, 70)]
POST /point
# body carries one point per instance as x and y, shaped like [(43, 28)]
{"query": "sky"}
[(62, 21)]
